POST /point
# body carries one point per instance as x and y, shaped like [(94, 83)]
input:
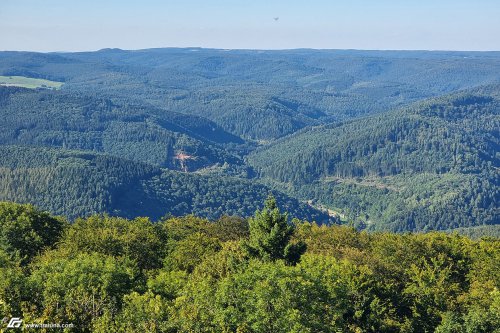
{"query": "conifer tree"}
[(270, 235)]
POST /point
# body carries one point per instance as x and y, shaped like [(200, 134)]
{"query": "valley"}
[(394, 140)]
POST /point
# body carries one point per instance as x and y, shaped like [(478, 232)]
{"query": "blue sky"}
[(72, 25)]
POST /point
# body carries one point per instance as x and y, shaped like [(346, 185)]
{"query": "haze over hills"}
[(261, 95), (399, 140)]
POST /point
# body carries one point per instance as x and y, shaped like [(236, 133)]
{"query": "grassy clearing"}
[(27, 82)]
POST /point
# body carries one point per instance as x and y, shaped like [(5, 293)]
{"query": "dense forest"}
[(73, 121), (76, 184), (263, 274), (431, 165), (379, 140), (260, 95)]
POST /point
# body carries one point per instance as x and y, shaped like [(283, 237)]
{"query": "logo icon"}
[(15, 323)]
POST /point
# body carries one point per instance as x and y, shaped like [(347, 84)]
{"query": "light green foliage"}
[(272, 298), (140, 313), (137, 239), (478, 318), (186, 274), (27, 82), (168, 284), (13, 287), (430, 291), (178, 228), (190, 251), (78, 289), (264, 297)]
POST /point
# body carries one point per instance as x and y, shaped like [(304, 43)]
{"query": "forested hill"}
[(456, 132), (383, 139), (77, 184), (261, 95), (431, 165), (145, 134)]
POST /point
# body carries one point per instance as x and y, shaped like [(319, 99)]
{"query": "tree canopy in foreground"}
[(188, 274)]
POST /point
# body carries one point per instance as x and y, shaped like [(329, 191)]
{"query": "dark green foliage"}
[(270, 235), (105, 143), (433, 165), (426, 165), (231, 228), (65, 182), (144, 134), (213, 196), (404, 141), (227, 228), (80, 184), (261, 95), (479, 231), (25, 231)]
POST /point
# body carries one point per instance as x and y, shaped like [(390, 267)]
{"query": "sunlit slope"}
[(431, 165)]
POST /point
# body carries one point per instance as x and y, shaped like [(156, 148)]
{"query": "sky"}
[(84, 25)]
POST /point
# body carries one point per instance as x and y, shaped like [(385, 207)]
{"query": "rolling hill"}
[(432, 165), (144, 134), (76, 184), (397, 140), (261, 95)]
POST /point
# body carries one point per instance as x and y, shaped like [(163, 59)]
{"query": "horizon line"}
[(252, 49)]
